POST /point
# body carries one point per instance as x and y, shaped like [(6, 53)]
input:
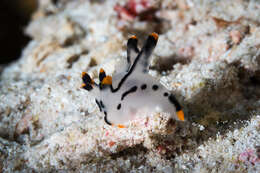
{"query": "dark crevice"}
[(14, 17), (166, 63), (226, 108), (1, 70), (72, 60), (54, 2), (93, 62), (129, 152), (250, 83), (75, 58)]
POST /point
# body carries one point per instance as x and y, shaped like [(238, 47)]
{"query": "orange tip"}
[(120, 126), (83, 74), (107, 80), (154, 35), (180, 115), (133, 37), (83, 85), (101, 70)]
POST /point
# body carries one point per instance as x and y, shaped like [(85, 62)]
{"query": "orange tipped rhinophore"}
[(101, 70), (155, 36), (180, 115), (107, 80), (133, 37)]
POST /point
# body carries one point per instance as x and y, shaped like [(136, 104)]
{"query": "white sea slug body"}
[(124, 94)]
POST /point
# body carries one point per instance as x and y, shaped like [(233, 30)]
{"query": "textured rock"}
[(207, 54)]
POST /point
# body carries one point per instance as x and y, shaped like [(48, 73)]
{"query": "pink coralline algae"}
[(249, 157), (132, 9)]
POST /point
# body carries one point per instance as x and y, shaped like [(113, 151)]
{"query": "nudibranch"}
[(133, 89)]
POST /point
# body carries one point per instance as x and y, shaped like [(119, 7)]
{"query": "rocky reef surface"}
[(208, 55)]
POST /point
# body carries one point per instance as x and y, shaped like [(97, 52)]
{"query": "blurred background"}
[(14, 16)]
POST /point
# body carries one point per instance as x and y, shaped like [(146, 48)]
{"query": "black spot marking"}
[(143, 87), (99, 105), (165, 94), (133, 89), (155, 87), (119, 106), (102, 104), (105, 119), (173, 100)]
